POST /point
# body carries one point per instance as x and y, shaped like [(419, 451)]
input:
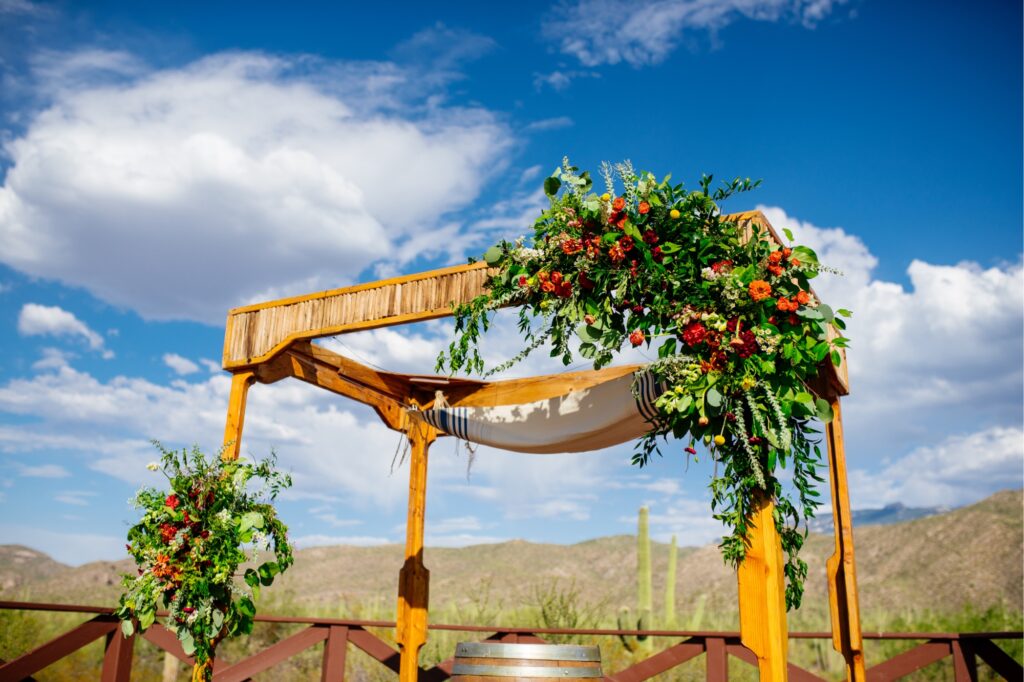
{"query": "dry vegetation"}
[(956, 571)]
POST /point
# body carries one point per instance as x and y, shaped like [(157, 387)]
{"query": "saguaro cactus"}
[(643, 572), (670, 587)]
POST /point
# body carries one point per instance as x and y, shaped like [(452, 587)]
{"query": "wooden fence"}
[(337, 634)]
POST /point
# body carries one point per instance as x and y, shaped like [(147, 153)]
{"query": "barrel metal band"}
[(538, 652), (524, 671)]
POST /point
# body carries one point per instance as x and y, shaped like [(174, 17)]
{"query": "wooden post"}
[(762, 593), (414, 579), (842, 573), (240, 383)]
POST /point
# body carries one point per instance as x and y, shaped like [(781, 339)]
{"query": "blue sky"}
[(162, 164)]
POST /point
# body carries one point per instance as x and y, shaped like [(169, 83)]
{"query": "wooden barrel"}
[(496, 662)]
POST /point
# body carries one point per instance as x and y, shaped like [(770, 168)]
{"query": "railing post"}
[(335, 648), (117, 658), (965, 667), (717, 660)]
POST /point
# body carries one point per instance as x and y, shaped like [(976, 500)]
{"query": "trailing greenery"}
[(189, 546), (738, 332)]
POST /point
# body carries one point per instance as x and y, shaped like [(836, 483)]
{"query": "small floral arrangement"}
[(190, 545), (738, 332)]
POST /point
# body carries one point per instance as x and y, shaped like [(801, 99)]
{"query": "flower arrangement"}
[(739, 333), (190, 544)]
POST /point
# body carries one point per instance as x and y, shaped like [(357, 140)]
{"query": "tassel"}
[(440, 401)]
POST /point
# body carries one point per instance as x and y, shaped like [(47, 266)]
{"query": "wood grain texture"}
[(840, 568), (414, 578), (762, 594), (240, 383)]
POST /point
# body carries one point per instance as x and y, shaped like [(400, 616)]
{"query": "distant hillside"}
[(889, 514), (969, 556)]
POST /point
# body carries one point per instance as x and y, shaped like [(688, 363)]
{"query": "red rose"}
[(636, 337), (657, 255), (556, 277), (626, 243), (564, 289), (618, 204), (720, 266), (172, 501), (694, 333), (643, 208), (617, 219), (167, 532), (572, 246), (748, 346), (584, 281), (650, 237), (523, 280)]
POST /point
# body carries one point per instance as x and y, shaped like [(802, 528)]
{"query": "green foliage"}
[(191, 541), (737, 331)]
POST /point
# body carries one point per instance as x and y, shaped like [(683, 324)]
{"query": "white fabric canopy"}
[(588, 419)]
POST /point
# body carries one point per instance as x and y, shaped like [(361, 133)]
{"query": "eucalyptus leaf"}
[(492, 256)]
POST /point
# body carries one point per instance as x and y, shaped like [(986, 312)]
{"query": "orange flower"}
[(786, 305), (618, 204), (786, 252), (556, 277), (775, 257), (803, 298), (547, 286), (643, 208), (760, 290), (775, 270)]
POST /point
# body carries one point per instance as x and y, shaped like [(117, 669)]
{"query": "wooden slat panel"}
[(909, 661), (997, 659), (272, 655), (659, 663), (57, 648)]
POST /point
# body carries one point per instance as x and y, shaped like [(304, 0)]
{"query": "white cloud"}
[(938, 357), (550, 124), (139, 191), (43, 471), (53, 358), (560, 79), (181, 365), (78, 498), (44, 320), (647, 31), (959, 470)]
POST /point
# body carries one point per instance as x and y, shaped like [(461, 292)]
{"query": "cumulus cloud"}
[(959, 470), (182, 366), (43, 471), (179, 193), (939, 356), (44, 320), (639, 33)]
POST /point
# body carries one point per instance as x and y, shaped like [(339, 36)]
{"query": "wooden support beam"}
[(414, 578), (762, 593), (840, 567), (312, 371), (332, 668), (240, 383)]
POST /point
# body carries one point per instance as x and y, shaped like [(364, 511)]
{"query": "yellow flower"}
[(606, 197), (748, 383), (719, 440), (674, 214)]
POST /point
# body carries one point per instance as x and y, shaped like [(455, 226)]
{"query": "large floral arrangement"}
[(738, 332), (189, 546)]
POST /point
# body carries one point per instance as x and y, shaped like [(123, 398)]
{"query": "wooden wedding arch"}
[(271, 341)]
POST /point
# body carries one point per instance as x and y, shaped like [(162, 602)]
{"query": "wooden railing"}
[(338, 634)]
